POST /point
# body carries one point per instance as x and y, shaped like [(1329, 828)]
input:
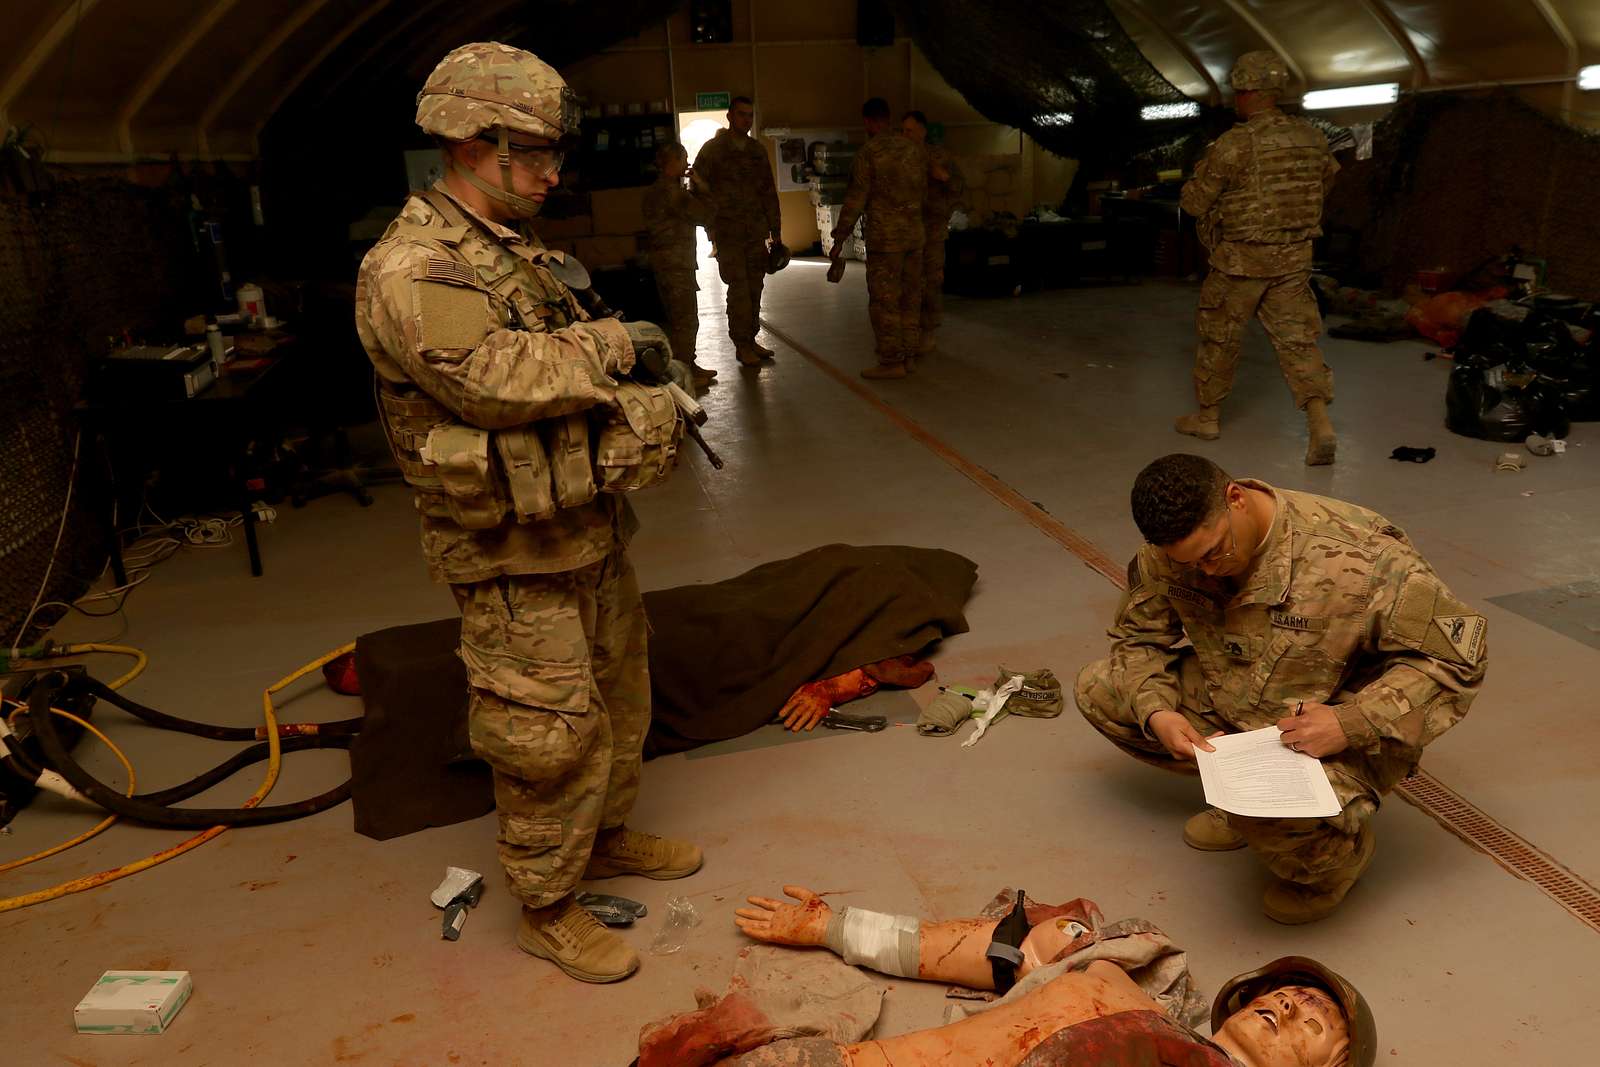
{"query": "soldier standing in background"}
[(1258, 195), (492, 376), (671, 214), (940, 203), (888, 182), (1302, 612), (736, 175)]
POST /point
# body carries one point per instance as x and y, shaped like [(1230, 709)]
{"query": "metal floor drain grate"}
[(1446, 807), (1527, 861)]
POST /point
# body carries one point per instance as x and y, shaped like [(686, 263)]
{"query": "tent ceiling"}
[(198, 76)]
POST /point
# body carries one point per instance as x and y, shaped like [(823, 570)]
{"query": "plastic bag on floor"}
[(1504, 403)]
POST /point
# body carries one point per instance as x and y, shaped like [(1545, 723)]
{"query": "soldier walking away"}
[(1305, 613), (937, 207), (1258, 197), (492, 377), (671, 213), (736, 174), (888, 183)]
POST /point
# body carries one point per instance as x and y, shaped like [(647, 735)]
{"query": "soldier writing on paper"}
[(1310, 614)]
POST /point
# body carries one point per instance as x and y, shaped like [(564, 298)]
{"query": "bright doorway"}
[(695, 128)]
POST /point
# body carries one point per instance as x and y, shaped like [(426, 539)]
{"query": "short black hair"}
[(876, 108), (736, 101), (922, 120), (1175, 495)]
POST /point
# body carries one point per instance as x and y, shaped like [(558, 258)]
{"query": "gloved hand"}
[(645, 335)]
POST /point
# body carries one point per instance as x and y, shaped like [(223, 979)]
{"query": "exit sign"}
[(713, 101)]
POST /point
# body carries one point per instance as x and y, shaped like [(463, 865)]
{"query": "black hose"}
[(44, 729), (228, 768), (200, 729)]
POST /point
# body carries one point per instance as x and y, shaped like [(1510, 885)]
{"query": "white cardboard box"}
[(132, 1002)]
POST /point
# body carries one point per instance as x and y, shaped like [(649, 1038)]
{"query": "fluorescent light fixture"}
[(1589, 78), (1054, 118), (1156, 112), (1352, 96)]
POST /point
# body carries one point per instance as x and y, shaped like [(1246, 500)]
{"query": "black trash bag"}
[(1506, 403), (1571, 369), (1489, 338)]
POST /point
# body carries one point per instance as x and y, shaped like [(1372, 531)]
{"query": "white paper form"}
[(1256, 774)]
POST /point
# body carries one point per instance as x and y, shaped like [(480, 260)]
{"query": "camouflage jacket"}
[(437, 310), (738, 174), (671, 214), (1258, 195), (889, 182), (943, 196), (1339, 609)]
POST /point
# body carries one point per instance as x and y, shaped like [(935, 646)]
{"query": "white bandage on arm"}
[(889, 944)]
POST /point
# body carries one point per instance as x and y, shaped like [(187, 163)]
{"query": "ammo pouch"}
[(468, 474), (567, 439), (638, 438)]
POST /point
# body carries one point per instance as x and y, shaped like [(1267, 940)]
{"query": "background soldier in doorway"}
[(939, 204), (671, 214)]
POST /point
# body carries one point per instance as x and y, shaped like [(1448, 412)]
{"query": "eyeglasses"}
[(541, 159), (1214, 557)]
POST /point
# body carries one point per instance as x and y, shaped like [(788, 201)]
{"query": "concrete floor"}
[(310, 944)]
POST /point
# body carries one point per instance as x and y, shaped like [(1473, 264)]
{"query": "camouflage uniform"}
[(1340, 610), (738, 173), (1258, 195), (671, 214), (889, 182), (942, 198), (490, 371)]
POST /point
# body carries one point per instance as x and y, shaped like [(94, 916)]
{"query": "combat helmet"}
[(1300, 970), (1261, 70), (492, 87), (777, 257)]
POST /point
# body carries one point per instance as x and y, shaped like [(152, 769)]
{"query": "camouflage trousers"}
[(1288, 312), (894, 302), (1311, 852), (742, 262), (932, 292), (558, 708), (680, 301)]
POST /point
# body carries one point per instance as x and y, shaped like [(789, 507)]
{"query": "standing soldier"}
[(492, 377), (888, 182), (671, 213), (941, 201), (737, 175), (1258, 195)]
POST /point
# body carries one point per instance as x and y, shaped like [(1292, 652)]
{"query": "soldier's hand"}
[(1178, 735), (648, 335), (782, 923), (1313, 729), (837, 250)]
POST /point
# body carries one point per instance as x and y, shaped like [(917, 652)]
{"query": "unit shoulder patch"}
[(1464, 632)]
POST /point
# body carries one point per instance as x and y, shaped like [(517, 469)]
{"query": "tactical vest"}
[(1280, 199), (476, 477)]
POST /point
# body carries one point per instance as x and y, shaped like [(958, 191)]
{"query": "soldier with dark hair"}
[(1258, 197), (734, 172), (1301, 612), (507, 406), (937, 207), (888, 183)]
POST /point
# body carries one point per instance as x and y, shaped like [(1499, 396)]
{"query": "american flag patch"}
[(448, 270)]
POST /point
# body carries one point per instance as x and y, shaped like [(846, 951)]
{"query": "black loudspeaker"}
[(711, 21), (874, 24)]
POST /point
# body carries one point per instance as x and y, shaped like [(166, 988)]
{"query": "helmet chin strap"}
[(519, 206)]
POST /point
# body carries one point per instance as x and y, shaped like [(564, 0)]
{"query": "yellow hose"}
[(274, 759), (107, 821)]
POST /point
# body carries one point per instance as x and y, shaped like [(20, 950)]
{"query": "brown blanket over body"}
[(725, 657)]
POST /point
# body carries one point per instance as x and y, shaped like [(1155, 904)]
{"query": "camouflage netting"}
[(1017, 63), (1458, 179), (79, 263)]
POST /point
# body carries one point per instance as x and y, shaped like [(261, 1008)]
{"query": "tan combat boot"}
[(1209, 832), (625, 851), (701, 374), (763, 351), (748, 356), (1205, 424), (884, 371), (1291, 903), (575, 941), (910, 361), (1322, 443)]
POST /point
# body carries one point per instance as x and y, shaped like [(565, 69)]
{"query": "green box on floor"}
[(133, 1002)]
